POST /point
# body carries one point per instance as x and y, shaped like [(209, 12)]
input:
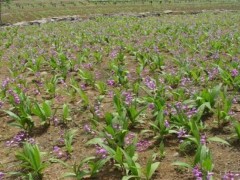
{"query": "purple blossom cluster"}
[(128, 97), (203, 139), (19, 139), (166, 124), (1, 175), (150, 83), (231, 176), (114, 53), (83, 86), (234, 73), (101, 152), (185, 80), (55, 121), (58, 152), (189, 111), (197, 173), (129, 138), (143, 145), (212, 74), (182, 133), (151, 106), (88, 129), (88, 66), (5, 83), (110, 82), (15, 96), (97, 110)]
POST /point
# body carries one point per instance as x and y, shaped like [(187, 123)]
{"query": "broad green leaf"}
[(217, 139)]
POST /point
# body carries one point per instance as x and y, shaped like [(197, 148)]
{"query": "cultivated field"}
[(28, 10), (122, 98)]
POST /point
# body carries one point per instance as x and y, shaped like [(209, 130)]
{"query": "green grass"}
[(26, 10)]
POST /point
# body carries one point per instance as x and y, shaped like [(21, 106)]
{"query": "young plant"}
[(79, 171), (66, 113), (43, 111), (206, 100), (101, 87), (51, 86), (202, 161), (96, 166), (133, 114), (120, 74), (83, 95), (21, 111), (150, 168), (68, 140), (87, 76), (160, 127), (31, 160), (156, 62), (223, 107), (237, 129), (114, 136)]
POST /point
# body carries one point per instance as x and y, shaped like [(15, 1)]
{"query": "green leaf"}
[(13, 115), (182, 164), (217, 139), (95, 141), (47, 108), (152, 169)]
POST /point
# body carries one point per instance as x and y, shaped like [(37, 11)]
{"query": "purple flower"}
[(129, 138), (83, 86), (203, 139), (197, 173), (58, 152), (55, 121), (19, 138), (16, 98), (229, 176), (110, 82), (185, 80), (234, 72), (97, 109), (181, 134), (151, 106), (101, 152), (167, 124), (5, 83), (36, 92), (150, 83), (1, 175), (114, 53), (191, 112), (128, 97), (87, 128), (209, 175), (143, 145)]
